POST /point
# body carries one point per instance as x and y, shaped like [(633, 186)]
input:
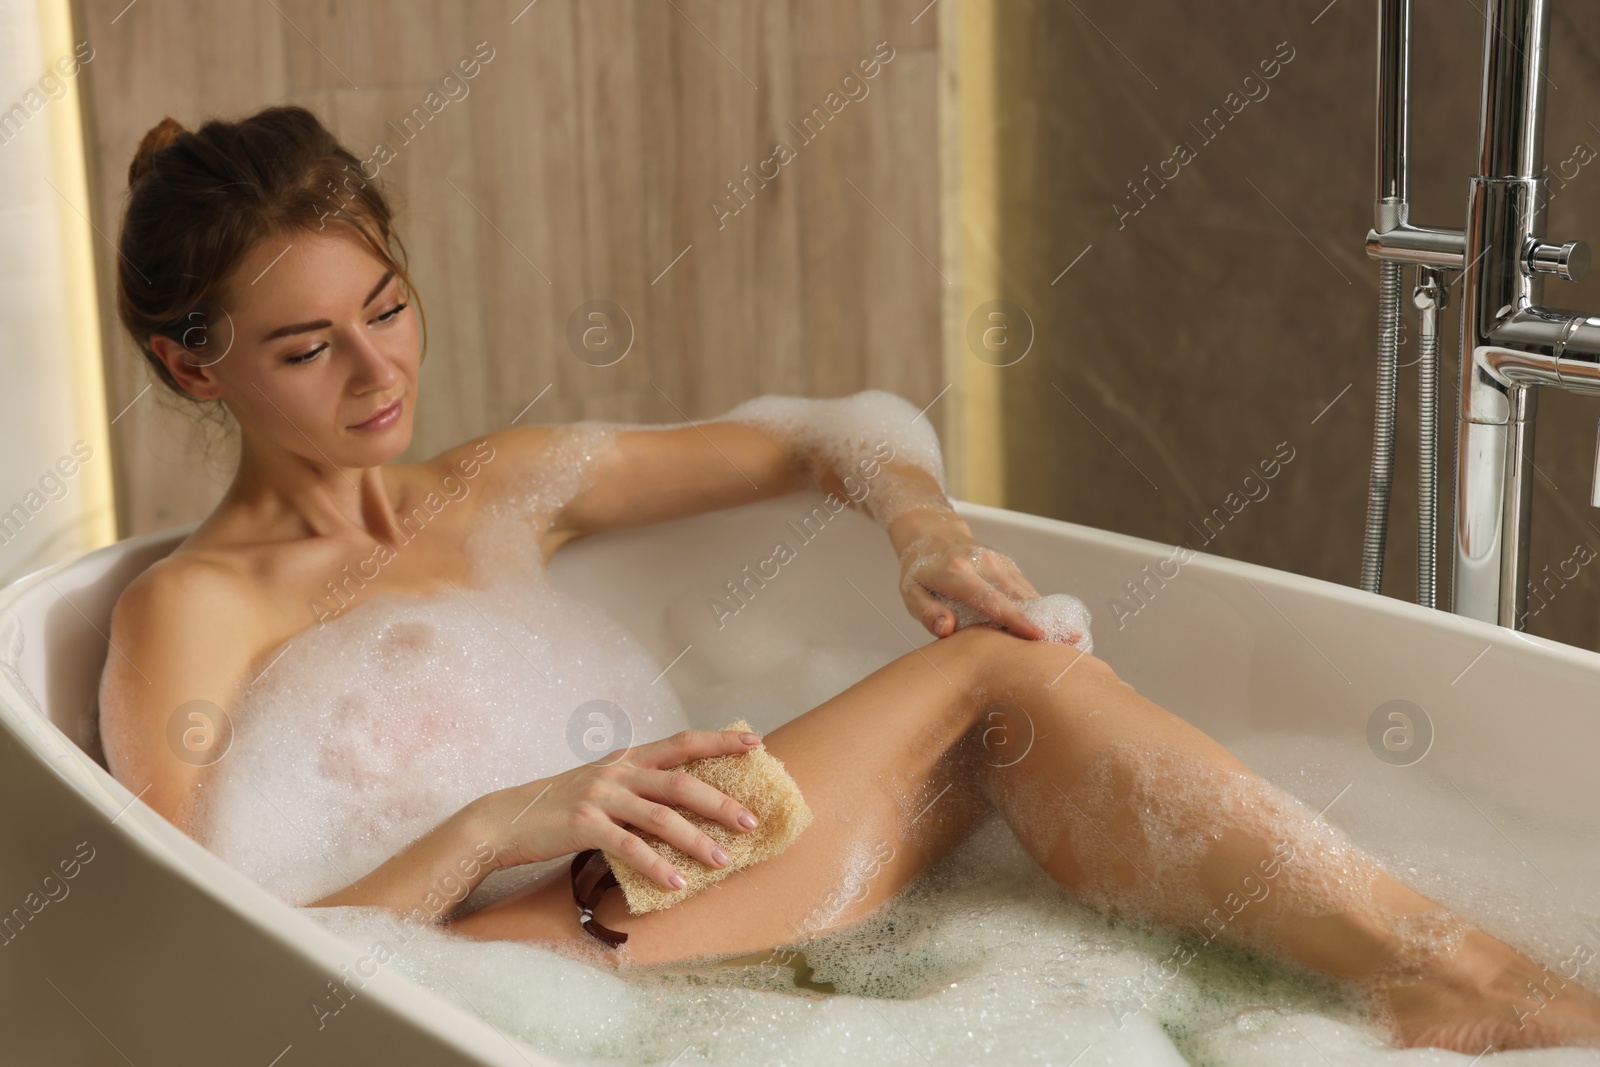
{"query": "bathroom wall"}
[(55, 473), (589, 159), (1181, 342), (1225, 316)]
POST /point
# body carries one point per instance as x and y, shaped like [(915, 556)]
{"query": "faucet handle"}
[(1570, 261)]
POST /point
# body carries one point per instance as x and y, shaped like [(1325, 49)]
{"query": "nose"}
[(372, 369)]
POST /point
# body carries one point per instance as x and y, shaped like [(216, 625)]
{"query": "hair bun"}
[(160, 136)]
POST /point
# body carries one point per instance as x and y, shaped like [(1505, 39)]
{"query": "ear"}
[(192, 370)]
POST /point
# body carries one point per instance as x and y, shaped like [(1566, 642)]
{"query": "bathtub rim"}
[(1294, 582)]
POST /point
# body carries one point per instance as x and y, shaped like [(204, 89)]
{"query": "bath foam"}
[(984, 959), (373, 728), (852, 435), (846, 433), (1063, 617), (500, 544), (1182, 811), (756, 779)]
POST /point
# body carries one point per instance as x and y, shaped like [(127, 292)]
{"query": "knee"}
[(1002, 658)]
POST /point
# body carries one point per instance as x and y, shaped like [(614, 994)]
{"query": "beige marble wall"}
[(1236, 311)]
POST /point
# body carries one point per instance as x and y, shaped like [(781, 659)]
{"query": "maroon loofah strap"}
[(596, 891)]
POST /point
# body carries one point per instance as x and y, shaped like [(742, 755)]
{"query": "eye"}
[(386, 318)]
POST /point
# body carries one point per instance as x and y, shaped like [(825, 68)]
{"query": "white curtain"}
[(55, 463)]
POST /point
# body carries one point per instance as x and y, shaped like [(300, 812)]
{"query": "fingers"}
[(646, 794), (1005, 611), (686, 745), (682, 789), (935, 616), (640, 856), (1005, 575), (1013, 584), (667, 823), (975, 590), (983, 578)]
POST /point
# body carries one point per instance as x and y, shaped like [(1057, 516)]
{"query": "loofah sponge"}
[(755, 779)]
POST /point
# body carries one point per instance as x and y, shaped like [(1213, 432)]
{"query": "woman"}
[(256, 272)]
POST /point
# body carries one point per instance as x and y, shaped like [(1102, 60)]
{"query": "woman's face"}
[(316, 338)]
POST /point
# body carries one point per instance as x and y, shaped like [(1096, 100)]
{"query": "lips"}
[(380, 416)]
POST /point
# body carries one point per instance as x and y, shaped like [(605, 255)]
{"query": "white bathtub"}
[(160, 953)]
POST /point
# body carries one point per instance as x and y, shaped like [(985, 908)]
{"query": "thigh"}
[(891, 789)]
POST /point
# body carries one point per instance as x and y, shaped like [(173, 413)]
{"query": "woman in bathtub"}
[(256, 274)]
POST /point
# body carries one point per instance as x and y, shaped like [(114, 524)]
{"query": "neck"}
[(317, 496)]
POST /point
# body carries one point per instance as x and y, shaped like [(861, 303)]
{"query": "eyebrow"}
[(322, 324)]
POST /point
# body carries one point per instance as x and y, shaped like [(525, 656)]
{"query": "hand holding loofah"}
[(755, 779)]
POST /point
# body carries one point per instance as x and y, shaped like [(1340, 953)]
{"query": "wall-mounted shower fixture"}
[(1510, 343)]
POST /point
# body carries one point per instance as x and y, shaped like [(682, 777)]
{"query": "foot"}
[(1486, 996)]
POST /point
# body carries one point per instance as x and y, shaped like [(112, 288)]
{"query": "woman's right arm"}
[(584, 807), (174, 670), (175, 657)]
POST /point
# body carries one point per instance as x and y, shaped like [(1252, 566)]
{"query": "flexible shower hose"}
[(1430, 297), (1383, 428)]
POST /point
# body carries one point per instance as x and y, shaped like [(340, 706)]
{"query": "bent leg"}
[(882, 771)]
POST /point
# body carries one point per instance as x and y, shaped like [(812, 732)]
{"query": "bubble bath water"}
[(985, 959)]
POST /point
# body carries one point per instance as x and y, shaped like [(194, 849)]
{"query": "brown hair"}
[(199, 201)]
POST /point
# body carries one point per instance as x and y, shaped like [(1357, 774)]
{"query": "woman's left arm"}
[(654, 475), (644, 476)]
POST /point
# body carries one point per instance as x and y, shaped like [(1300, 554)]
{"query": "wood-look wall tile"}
[(583, 163), (379, 45)]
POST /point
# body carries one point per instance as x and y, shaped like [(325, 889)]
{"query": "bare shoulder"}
[(489, 460), (499, 465), (180, 647)]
